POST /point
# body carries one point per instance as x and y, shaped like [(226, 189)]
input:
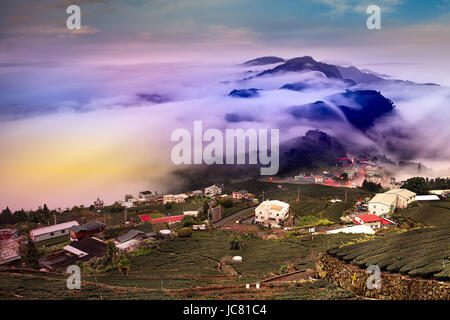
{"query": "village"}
[(308, 207)]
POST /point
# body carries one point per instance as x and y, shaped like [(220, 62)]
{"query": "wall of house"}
[(393, 285), (56, 234), (378, 208)]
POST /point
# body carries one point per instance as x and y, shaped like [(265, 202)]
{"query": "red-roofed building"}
[(147, 218), (168, 219), (372, 220)]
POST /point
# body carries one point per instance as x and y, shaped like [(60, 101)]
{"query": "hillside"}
[(421, 252)]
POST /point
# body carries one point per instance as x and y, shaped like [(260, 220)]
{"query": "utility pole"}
[(54, 218), (298, 194), (345, 194), (263, 196)]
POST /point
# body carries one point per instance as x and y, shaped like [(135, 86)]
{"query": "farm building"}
[(372, 220), (147, 196), (382, 204), (353, 229), (241, 194), (9, 250), (171, 219), (130, 241), (8, 233), (175, 198), (190, 213), (404, 197), (53, 231), (82, 250), (427, 197), (89, 229), (87, 247), (272, 213), (213, 190), (130, 235)]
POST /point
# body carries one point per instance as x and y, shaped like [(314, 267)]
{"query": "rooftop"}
[(53, 228), (91, 246), (384, 198), (88, 226), (129, 235), (427, 197), (275, 205), (405, 193)]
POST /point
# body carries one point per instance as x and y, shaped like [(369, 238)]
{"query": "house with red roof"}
[(372, 220)]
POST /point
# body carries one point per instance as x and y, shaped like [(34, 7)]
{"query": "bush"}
[(185, 232), (226, 203), (283, 269)]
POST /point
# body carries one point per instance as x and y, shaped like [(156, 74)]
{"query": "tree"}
[(188, 221), (124, 266), (417, 184), (6, 216), (168, 205), (371, 186), (31, 255), (111, 254), (203, 215)]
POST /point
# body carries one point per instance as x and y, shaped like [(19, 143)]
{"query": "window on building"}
[(63, 231), (52, 234)]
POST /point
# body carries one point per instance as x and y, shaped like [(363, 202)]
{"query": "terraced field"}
[(421, 252), (435, 213), (314, 198), (335, 210)]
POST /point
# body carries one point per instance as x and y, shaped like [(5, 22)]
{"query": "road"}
[(222, 221)]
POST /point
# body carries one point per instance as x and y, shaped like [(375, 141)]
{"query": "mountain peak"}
[(264, 60)]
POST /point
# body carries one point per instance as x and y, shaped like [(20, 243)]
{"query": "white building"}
[(427, 197), (147, 196), (385, 203), (190, 213), (382, 204), (213, 190), (53, 231), (272, 213), (353, 229), (404, 197), (175, 198)]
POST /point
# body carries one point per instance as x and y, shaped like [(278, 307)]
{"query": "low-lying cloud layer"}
[(68, 137)]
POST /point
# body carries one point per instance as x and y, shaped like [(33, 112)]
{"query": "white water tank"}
[(237, 259)]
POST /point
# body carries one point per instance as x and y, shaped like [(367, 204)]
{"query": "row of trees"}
[(421, 185), (371, 186), (42, 215)]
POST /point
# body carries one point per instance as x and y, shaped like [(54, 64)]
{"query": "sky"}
[(71, 125)]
